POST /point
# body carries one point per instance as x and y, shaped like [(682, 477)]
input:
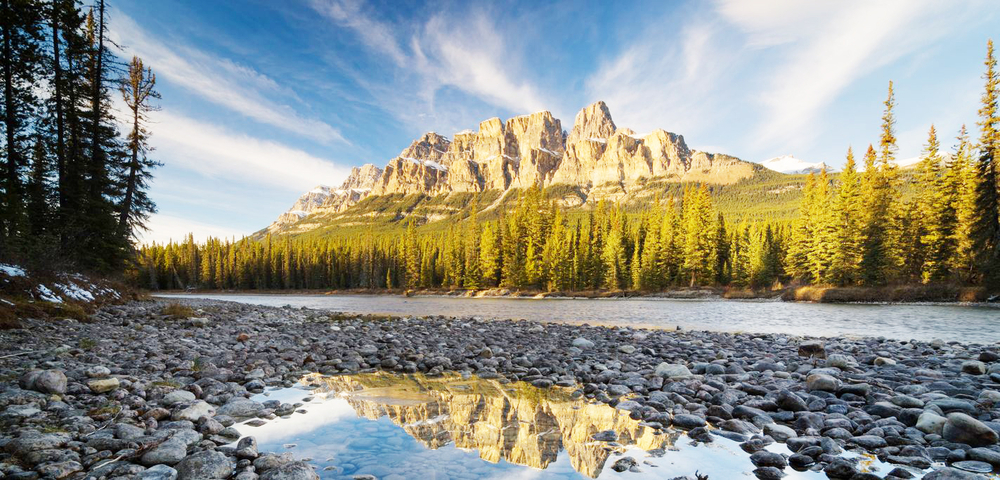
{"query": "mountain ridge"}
[(596, 157)]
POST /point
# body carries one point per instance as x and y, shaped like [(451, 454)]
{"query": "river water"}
[(948, 322), (451, 427)]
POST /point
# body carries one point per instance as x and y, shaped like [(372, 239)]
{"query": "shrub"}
[(177, 311)]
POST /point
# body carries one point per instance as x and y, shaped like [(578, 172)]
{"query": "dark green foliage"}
[(66, 176)]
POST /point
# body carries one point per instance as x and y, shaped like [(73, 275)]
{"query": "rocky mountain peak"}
[(594, 121), (362, 178)]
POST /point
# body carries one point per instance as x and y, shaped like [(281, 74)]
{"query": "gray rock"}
[(195, 411), (930, 422), (961, 428), (205, 465), (241, 408), (778, 432), (50, 381), (822, 382), (948, 473), (582, 343), (974, 367), (169, 452), (98, 371), (687, 421), (177, 396), (812, 349), (291, 471), (159, 472), (672, 370)]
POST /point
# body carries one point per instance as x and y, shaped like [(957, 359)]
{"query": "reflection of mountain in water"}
[(514, 422)]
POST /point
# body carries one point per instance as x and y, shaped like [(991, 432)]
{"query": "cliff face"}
[(513, 422), (598, 157), (324, 199)]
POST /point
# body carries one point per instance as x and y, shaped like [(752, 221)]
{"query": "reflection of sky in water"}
[(342, 444)]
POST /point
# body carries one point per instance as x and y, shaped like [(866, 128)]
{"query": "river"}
[(948, 322)]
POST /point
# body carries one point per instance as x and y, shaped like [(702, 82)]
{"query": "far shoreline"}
[(890, 295)]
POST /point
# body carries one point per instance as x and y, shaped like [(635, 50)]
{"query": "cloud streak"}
[(467, 53), (215, 152), (823, 48), (220, 81)]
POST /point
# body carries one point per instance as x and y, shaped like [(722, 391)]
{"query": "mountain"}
[(596, 160), (323, 199), (792, 165)]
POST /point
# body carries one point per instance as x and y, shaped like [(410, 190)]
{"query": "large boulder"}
[(204, 465), (961, 428), (291, 471)]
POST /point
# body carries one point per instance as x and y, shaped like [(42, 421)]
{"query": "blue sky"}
[(263, 100)]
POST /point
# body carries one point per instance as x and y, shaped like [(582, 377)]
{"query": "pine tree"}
[(937, 199), (802, 239), (987, 226), (847, 215), (965, 177), (22, 59), (138, 90)]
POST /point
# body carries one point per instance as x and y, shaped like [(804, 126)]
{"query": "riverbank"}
[(136, 392), (890, 294)]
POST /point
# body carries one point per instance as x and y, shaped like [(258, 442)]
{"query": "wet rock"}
[(247, 448), (765, 458), (291, 471), (768, 473), (961, 428), (687, 421), (948, 473), (624, 464), (241, 408)]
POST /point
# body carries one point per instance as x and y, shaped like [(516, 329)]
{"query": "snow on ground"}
[(48, 295), (75, 292), (11, 270)]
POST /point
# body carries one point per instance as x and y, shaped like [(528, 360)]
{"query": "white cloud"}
[(467, 53), (220, 81), (216, 152), (667, 79), (822, 48), (164, 228)]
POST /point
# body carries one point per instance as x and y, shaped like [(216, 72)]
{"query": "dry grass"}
[(8, 319), (897, 293), (178, 311)]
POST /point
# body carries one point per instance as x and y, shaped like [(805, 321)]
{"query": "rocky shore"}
[(137, 393)]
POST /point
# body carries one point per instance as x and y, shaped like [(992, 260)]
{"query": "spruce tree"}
[(847, 215), (987, 226)]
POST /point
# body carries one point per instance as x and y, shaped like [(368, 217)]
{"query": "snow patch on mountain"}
[(791, 164)]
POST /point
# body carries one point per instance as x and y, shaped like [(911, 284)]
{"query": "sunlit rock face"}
[(515, 422), (598, 158)]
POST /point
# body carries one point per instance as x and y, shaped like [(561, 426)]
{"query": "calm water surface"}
[(415, 427), (965, 323)]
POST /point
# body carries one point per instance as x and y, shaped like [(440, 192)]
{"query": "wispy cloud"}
[(824, 47), (467, 53), (667, 79), (215, 152), (236, 87)]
